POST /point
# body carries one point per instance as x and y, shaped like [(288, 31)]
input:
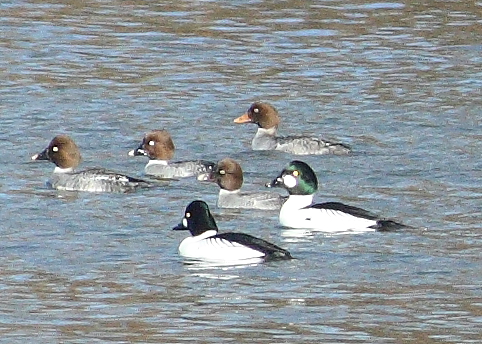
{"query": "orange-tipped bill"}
[(243, 119)]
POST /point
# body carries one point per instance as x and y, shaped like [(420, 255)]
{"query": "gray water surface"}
[(398, 81)]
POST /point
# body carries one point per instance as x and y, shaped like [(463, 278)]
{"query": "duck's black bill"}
[(274, 183), (139, 151), (180, 227), (207, 176), (42, 155)]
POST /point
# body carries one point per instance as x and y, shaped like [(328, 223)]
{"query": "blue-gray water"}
[(399, 81)]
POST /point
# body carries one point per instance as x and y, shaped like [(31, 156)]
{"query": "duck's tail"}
[(389, 226)]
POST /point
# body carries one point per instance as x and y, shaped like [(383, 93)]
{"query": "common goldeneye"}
[(65, 154), (299, 211), (206, 244), (159, 147), (267, 119), (228, 174)]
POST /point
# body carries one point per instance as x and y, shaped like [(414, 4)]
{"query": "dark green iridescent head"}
[(298, 178)]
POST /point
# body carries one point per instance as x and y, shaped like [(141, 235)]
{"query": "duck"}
[(299, 179), (65, 154), (228, 174), (159, 147), (267, 119), (206, 244)]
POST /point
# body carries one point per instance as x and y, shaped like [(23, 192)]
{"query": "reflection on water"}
[(225, 265), (400, 82), (293, 234)]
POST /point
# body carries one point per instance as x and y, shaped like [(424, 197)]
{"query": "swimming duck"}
[(65, 154), (299, 211), (227, 173), (159, 147), (207, 244), (267, 119)]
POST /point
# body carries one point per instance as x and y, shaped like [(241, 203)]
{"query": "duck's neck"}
[(265, 139), (298, 202), (157, 162), (266, 132), (63, 170), (224, 192), (206, 234)]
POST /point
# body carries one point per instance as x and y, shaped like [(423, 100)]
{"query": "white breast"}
[(264, 139)]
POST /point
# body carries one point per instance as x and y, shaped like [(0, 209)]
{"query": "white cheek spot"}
[(55, 149), (151, 143), (184, 222), (289, 181)]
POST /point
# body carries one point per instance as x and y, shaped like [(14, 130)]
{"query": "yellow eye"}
[(296, 173), (55, 149), (222, 172), (188, 215)]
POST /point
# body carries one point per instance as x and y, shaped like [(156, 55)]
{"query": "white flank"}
[(204, 248), (292, 215)]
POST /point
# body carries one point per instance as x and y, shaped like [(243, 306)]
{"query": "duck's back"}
[(304, 145), (179, 169), (270, 251), (250, 200)]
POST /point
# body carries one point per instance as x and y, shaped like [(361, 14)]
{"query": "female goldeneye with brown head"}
[(159, 147), (205, 243), (65, 154), (299, 211), (267, 119), (227, 173)]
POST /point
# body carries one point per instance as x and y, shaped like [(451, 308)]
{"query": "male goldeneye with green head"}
[(205, 243), (299, 211)]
